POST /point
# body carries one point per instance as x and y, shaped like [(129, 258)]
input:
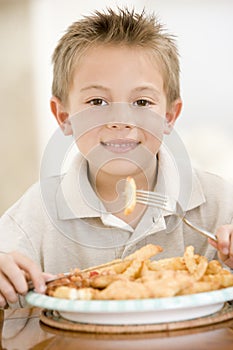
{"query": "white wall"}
[(204, 35), (18, 134)]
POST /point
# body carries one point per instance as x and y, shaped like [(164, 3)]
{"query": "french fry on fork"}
[(160, 201)]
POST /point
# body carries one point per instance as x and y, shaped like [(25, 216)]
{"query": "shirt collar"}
[(178, 181), (75, 197)]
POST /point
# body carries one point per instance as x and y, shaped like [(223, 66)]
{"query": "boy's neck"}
[(110, 190), (110, 187)]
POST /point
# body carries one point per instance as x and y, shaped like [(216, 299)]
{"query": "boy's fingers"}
[(3, 301), (11, 273), (16, 270), (7, 290), (32, 270), (213, 243), (48, 276), (225, 242)]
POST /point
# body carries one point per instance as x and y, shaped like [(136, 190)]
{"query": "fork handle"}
[(200, 230)]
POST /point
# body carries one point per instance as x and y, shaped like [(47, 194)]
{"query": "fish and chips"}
[(138, 277)]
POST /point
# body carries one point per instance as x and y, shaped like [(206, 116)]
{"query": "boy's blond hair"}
[(121, 27)]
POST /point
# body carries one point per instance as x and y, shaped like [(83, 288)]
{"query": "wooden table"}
[(21, 329)]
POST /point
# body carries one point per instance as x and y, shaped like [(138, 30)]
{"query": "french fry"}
[(213, 268), (224, 278), (102, 281), (145, 252), (130, 195), (133, 271), (120, 290), (189, 259), (200, 268), (117, 268), (176, 263), (64, 292), (200, 287), (166, 287), (102, 266)]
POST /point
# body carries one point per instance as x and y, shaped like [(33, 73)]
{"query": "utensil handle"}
[(200, 230)]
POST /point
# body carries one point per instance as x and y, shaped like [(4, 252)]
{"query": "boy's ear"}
[(61, 115), (172, 115)]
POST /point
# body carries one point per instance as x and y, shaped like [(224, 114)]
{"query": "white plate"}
[(135, 311)]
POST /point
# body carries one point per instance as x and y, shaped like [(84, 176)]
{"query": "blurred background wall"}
[(19, 152), (29, 31)]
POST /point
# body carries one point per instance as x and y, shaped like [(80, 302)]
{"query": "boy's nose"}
[(119, 126)]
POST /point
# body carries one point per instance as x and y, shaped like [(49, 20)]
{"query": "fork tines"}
[(151, 198)]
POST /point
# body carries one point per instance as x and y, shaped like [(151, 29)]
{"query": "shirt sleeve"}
[(10, 234)]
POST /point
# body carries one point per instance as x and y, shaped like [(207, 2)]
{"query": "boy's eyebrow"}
[(150, 88), (94, 86)]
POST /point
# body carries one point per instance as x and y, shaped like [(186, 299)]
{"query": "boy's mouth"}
[(120, 146)]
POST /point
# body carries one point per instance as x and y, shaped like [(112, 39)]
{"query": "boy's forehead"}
[(109, 60), (100, 52)]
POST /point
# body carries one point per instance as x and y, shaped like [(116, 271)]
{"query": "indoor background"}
[(29, 31)]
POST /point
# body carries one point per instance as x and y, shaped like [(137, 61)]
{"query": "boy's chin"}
[(121, 168)]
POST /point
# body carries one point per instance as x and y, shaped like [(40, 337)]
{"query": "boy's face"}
[(120, 77)]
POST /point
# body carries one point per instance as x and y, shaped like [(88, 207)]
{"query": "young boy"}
[(116, 91)]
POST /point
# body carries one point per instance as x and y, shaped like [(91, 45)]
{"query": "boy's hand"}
[(15, 270), (224, 244)]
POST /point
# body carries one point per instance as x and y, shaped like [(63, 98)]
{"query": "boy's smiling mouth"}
[(120, 145)]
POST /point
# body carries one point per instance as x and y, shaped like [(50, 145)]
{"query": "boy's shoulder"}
[(208, 180), (32, 200), (215, 187)]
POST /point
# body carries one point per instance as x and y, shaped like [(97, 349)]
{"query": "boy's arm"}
[(16, 268)]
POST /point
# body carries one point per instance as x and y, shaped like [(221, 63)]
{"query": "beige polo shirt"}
[(60, 222)]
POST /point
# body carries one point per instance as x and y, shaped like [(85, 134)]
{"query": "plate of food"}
[(138, 290)]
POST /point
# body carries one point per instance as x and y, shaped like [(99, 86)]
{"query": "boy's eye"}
[(97, 102), (142, 103)]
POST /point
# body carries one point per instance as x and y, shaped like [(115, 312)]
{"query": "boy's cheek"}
[(121, 114)]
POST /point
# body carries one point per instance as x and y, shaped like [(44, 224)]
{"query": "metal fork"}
[(170, 205)]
